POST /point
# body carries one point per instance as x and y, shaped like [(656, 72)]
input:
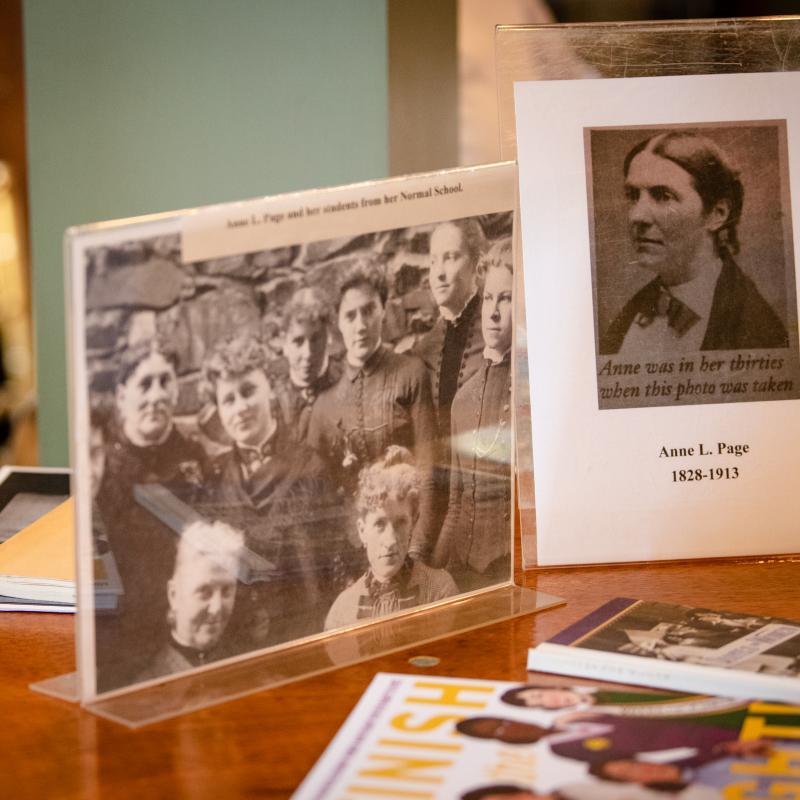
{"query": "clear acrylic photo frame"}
[(135, 706), (615, 50)]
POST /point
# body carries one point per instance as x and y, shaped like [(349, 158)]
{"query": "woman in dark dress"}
[(143, 448), (383, 398), (475, 544), (275, 489)]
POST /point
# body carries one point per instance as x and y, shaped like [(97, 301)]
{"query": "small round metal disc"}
[(424, 661)]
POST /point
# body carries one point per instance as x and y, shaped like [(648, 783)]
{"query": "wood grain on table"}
[(263, 745)]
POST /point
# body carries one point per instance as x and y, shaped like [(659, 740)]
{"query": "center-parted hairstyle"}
[(133, 355), (713, 176)]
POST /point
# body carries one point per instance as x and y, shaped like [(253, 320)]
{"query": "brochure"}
[(415, 736), (679, 647)]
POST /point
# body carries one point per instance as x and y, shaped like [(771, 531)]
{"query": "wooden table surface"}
[(263, 745)]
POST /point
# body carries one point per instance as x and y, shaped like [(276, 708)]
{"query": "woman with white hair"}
[(201, 594)]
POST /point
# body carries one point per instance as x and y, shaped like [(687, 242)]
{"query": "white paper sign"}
[(250, 225), (657, 230)]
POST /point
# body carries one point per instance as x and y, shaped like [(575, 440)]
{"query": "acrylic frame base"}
[(615, 50), (200, 690)]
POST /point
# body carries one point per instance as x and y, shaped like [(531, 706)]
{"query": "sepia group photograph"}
[(294, 441)]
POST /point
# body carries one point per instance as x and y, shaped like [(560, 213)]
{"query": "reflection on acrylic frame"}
[(656, 49), (299, 411), (27, 493)]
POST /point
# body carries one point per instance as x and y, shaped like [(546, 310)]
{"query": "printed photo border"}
[(130, 284), (731, 337)]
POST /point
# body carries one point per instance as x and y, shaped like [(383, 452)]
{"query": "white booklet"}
[(678, 647), (291, 416), (658, 221)]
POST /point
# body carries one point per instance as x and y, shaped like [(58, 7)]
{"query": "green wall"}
[(138, 106)]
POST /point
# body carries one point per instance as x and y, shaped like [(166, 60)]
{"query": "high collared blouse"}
[(295, 533), (452, 352), (477, 529), (385, 402), (142, 546), (296, 403), (356, 603)]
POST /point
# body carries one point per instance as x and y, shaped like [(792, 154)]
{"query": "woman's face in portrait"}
[(667, 223), (496, 308), (243, 403), (554, 698), (386, 534), (360, 321), (305, 346), (452, 273), (201, 595), (146, 401)]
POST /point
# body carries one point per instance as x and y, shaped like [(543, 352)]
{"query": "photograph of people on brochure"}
[(296, 440), (492, 740), (693, 269), (765, 645)]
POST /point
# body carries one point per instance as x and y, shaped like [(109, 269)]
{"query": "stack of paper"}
[(37, 567)]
